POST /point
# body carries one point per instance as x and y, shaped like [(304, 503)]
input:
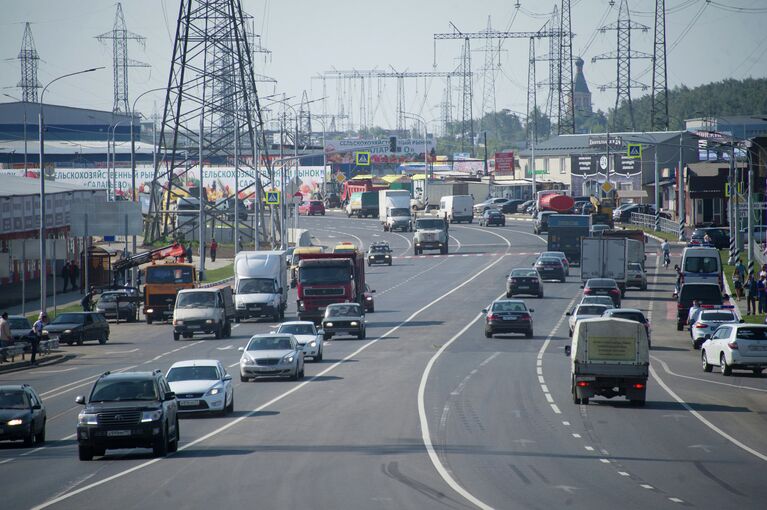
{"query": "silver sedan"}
[(271, 355)]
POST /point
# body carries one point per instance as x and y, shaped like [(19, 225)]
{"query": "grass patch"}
[(742, 305), (214, 275), (663, 235), (59, 310)]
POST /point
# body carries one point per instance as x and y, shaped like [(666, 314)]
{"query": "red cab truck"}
[(327, 278)]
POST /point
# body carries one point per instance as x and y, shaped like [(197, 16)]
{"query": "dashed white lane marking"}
[(236, 326), (566, 423), (234, 365), (225, 348), (539, 370), (555, 409), (541, 379), (623, 473), (576, 436), (604, 461), (57, 371), (676, 500), (589, 448), (545, 388), (118, 352), (66, 388), (647, 486)]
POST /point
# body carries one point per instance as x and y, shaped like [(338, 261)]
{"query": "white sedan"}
[(307, 337), (736, 346), (271, 355), (707, 322), (585, 312), (201, 385)]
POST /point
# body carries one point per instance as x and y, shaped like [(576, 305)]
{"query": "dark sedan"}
[(22, 414), (492, 217), (603, 287), (510, 206), (550, 268), (524, 281), (379, 253), (78, 327), (720, 237), (508, 316), (21, 329)]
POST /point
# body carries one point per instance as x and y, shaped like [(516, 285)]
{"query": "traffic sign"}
[(297, 197), (272, 198), (607, 187), (634, 150), (340, 177), (363, 158)]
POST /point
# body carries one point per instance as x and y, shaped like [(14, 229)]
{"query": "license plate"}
[(189, 403), (193, 327), (510, 318), (758, 348), (523, 287), (118, 433)]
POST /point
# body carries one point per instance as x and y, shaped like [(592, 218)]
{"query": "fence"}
[(648, 221)]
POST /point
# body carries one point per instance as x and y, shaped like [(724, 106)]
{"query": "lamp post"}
[(25, 130), (419, 118), (41, 126)]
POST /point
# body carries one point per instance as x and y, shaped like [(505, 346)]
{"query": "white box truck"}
[(604, 258), (394, 210), (457, 208), (260, 284), (610, 358)]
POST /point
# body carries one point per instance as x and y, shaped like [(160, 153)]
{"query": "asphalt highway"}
[(424, 413)]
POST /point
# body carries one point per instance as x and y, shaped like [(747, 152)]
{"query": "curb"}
[(51, 359)]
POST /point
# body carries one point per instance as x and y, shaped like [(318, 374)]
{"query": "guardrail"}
[(648, 221), (21, 348)]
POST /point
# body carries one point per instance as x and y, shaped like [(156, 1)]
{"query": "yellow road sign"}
[(607, 187)]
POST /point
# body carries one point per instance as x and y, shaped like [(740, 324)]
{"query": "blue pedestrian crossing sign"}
[(272, 198), (363, 158), (634, 151)]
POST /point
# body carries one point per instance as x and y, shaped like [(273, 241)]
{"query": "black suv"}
[(541, 223), (22, 414), (720, 237), (706, 293), (128, 410)]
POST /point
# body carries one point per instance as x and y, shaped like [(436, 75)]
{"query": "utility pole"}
[(566, 107), (731, 208), (680, 189), (659, 110), (202, 204), (750, 215), (29, 61)]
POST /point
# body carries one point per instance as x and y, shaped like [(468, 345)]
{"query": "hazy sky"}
[(308, 37)]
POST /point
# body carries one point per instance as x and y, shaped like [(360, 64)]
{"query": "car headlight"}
[(247, 361), (354, 323), (369, 298), (150, 310), (301, 306), (313, 343), (289, 358), (214, 391), (87, 419), (209, 321), (67, 331), (387, 256), (329, 324), (45, 332), (148, 416), (15, 421)]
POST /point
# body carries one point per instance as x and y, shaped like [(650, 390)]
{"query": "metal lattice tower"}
[(192, 127), (467, 97), (119, 35), (488, 83), (554, 63), (467, 123), (659, 85), (29, 58), (566, 103), (305, 121), (624, 55), (401, 120), (446, 108), (532, 102)]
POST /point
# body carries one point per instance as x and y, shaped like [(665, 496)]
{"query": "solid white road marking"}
[(737, 386), (228, 425), (225, 348)]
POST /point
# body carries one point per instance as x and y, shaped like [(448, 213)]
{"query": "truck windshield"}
[(169, 274), (324, 274), (399, 211), (256, 286), (196, 300), (430, 224)]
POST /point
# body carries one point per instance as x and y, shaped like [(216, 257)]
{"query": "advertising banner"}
[(504, 163), (408, 150)]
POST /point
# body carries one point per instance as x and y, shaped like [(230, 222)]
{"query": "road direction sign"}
[(607, 187), (272, 198), (363, 158), (340, 177), (634, 150)]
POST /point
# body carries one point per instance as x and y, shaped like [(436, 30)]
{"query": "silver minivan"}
[(702, 265)]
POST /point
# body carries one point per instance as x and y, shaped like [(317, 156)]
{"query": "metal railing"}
[(648, 221)]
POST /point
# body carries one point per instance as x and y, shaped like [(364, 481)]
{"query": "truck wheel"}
[(176, 336), (361, 335), (327, 336), (276, 317), (585, 401), (237, 319), (218, 331), (576, 400), (529, 334), (638, 402), (84, 453), (228, 330), (679, 326), (148, 320)]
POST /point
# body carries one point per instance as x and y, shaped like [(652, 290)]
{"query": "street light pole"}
[(25, 130), (42, 234)]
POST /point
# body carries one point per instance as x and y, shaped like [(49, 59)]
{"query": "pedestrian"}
[(738, 284), (692, 315), (37, 335), (740, 270), (763, 272), (6, 339), (760, 294), (189, 253), (87, 301), (213, 249), (751, 295), (65, 275), (74, 274)]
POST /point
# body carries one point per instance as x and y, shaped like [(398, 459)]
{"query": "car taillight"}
[(699, 325), (525, 318), (732, 345), (637, 386), (588, 292), (582, 384), (492, 317), (680, 306), (615, 291)]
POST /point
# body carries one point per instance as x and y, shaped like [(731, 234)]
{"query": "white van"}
[(702, 265), (457, 208)]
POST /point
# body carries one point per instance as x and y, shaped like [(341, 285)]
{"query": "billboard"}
[(504, 163), (408, 150)]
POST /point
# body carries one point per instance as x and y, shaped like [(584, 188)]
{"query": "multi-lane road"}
[(425, 413)]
